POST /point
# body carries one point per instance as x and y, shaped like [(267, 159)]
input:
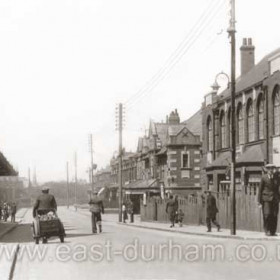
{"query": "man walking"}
[(171, 210), (96, 208), (13, 212), (269, 200), (211, 211)]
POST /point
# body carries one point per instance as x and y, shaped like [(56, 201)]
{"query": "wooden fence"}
[(248, 214)]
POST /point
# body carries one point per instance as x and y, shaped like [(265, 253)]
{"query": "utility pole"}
[(67, 182), (232, 31), (120, 129), (29, 179), (91, 161), (76, 179)]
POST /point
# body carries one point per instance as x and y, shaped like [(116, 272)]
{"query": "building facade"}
[(257, 104)]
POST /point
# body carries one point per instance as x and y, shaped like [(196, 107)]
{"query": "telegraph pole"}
[(91, 161), (76, 179), (67, 182), (232, 31), (120, 129)]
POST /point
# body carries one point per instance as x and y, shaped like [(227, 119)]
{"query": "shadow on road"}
[(73, 235), (21, 234)]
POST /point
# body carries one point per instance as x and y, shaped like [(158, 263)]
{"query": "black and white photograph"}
[(139, 140)]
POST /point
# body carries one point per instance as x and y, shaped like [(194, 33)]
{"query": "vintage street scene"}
[(139, 140)]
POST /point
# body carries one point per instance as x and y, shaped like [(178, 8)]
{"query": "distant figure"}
[(171, 210), (96, 208), (124, 213), (5, 212), (269, 199), (130, 210), (211, 211), (13, 212), (180, 217), (44, 203)]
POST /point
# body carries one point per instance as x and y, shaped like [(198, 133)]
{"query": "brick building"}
[(257, 123)]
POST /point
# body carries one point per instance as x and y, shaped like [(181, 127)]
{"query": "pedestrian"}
[(269, 200), (211, 211), (180, 217), (124, 213), (13, 212), (130, 210), (96, 208), (171, 210), (44, 203)]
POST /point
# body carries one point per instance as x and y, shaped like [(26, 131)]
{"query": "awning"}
[(142, 185), (162, 151)]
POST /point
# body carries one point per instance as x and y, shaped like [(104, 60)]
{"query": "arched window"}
[(276, 111), (240, 124), (209, 134), (250, 121), (229, 128), (223, 130), (260, 117)]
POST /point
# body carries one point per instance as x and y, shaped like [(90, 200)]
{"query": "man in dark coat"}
[(171, 210), (44, 203), (13, 212), (269, 199), (96, 208), (211, 211)]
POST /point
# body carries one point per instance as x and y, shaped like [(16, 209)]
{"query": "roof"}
[(161, 131), (253, 154), (6, 169), (257, 74), (174, 130), (162, 151), (223, 160), (194, 123)]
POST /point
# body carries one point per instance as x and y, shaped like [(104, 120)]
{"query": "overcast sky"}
[(65, 64)]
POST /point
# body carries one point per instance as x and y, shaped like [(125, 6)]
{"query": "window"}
[(185, 160), (260, 118), (250, 121), (276, 111), (223, 130), (240, 124), (209, 135)]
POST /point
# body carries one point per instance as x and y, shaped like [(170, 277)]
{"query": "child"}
[(180, 217)]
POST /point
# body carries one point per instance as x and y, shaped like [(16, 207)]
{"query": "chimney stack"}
[(247, 51)]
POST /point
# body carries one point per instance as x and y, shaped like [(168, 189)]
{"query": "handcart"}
[(46, 224)]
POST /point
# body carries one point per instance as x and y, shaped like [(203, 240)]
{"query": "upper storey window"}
[(276, 111), (250, 121), (223, 130)]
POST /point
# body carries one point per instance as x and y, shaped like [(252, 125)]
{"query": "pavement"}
[(113, 254), (6, 227), (190, 229)]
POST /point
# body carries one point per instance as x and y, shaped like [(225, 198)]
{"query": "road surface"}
[(123, 252)]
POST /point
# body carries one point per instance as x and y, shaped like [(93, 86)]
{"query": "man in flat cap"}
[(269, 200), (211, 211), (96, 208), (44, 202)]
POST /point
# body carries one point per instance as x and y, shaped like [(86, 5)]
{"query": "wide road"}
[(123, 252)]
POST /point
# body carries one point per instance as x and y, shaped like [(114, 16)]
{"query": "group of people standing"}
[(8, 210), (128, 210), (176, 215)]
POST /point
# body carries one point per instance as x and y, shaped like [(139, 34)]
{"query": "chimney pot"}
[(247, 51)]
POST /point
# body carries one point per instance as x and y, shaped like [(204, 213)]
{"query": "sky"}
[(66, 64)]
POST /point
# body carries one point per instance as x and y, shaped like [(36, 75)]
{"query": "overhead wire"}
[(164, 71)]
